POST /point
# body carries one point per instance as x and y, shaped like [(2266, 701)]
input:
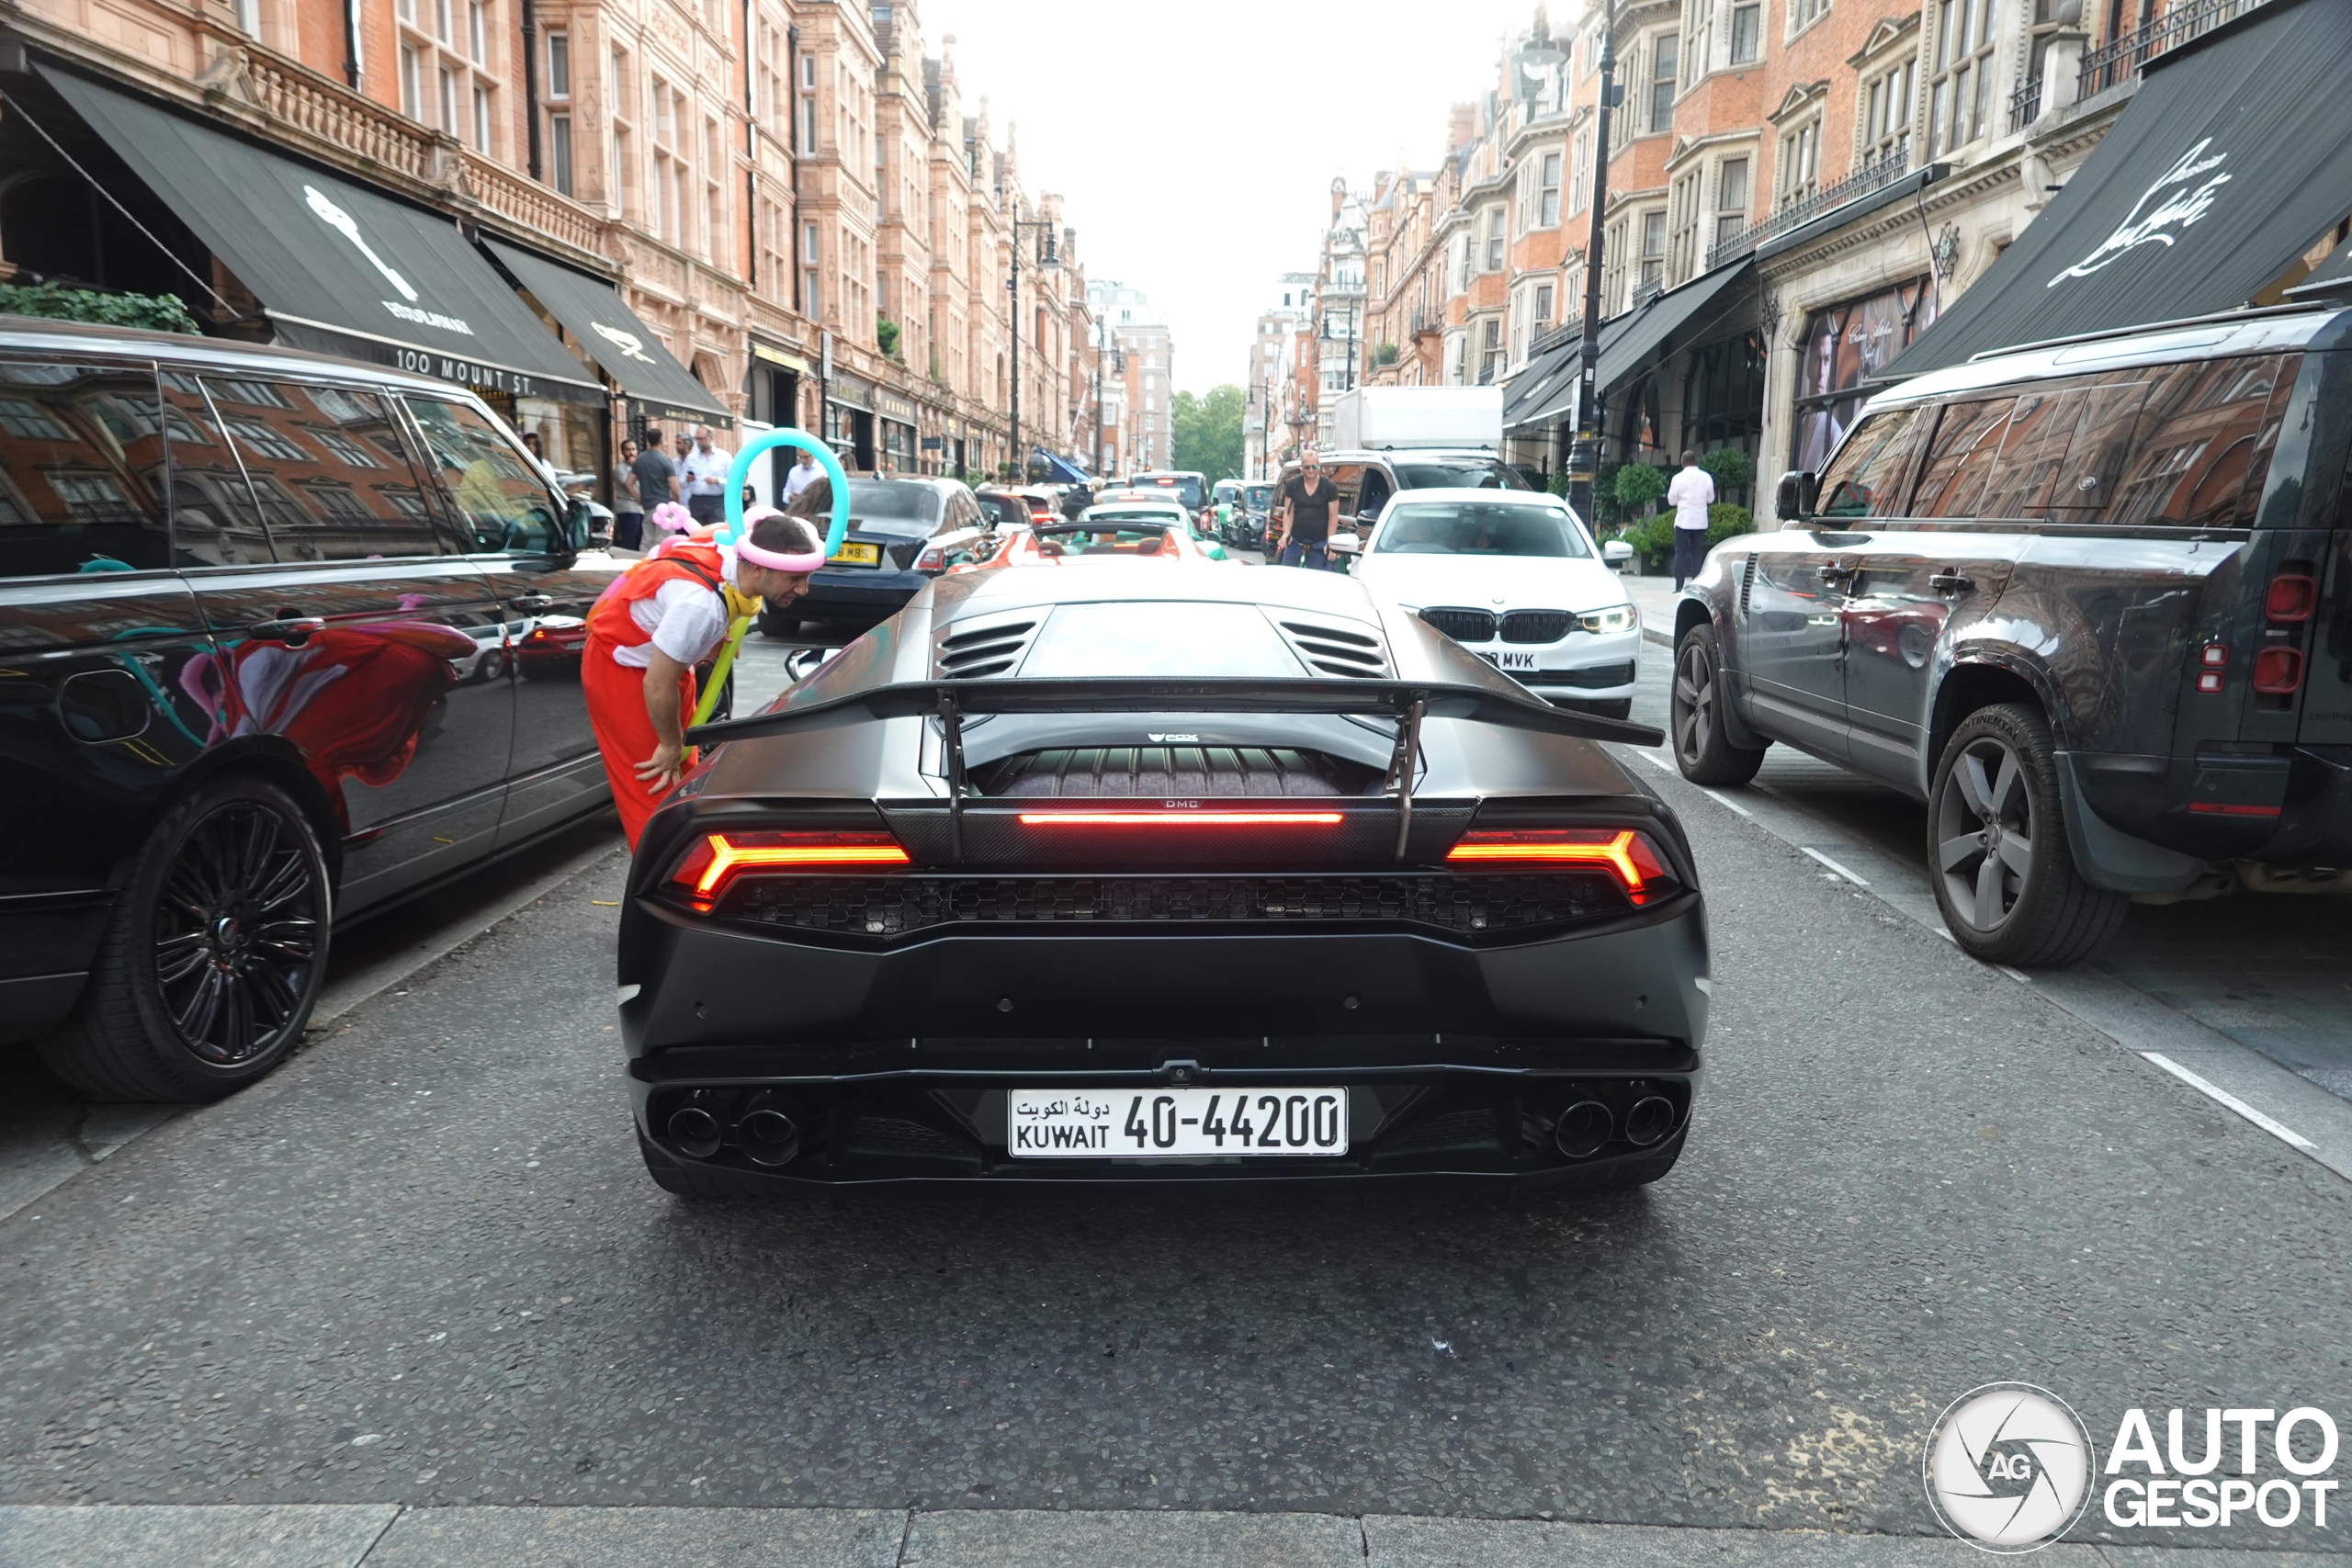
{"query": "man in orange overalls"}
[(660, 619)]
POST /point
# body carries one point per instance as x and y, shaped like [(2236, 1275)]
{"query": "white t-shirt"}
[(803, 475), (705, 473), (687, 620), (1690, 493)]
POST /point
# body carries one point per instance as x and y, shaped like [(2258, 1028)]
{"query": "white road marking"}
[(1726, 802), (1833, 865), (2222, 1097), (1660, 763), (2020, 976)]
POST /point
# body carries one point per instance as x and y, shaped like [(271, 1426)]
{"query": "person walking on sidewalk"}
[(1307, 504), (1690, 493), (704, 476)]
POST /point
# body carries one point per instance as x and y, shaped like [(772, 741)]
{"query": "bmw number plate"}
[(1518, 661), (1124, 1123), (856, 555)]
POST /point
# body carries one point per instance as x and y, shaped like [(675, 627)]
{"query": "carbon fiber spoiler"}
[(1371, 699)]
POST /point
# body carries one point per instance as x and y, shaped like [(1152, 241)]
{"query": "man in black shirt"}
[(657, 478), (1308, 500)]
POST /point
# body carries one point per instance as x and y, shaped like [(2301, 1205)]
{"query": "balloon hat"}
[(738, 534)]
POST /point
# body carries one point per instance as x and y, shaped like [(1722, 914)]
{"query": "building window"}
[(714, 198), (1664, 49), (808, 243), (810, 305), (1613, 268), (1800, 166), (450, 121), (441, 20), (1653, 248), (1682, 241), (1886, 114), (481, 133), (1580, 173), (669, 171), (1747, 33), (559, 65), (1542, 304), (1547, 201), (1490, 354), (807, 129), (478, 34), (620, 176), (1803, 14), (1962, 92), (412, 102), (559, 143), (1731, 200), (1494, 239)]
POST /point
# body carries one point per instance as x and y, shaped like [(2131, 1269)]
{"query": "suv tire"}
[(1998, 855), (212, 956), (1696, 704)]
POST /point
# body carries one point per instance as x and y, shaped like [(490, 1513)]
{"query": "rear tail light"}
[(706, 870), (933, 558), (2291, 596), (1180, 821), (1623, 852), (2277, 671)]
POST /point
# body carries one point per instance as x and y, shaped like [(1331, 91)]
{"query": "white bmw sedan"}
[(1515, 578)]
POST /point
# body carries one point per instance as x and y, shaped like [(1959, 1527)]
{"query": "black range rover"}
[(2090, 600), (282, 638)]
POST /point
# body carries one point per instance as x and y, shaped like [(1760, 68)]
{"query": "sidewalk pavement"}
[(391, 1536), (1655, 597)]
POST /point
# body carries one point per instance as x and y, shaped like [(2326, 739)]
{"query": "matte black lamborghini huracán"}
[(1098, 875)]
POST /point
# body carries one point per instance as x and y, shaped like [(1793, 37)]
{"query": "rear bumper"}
[(888, 1059), (2152, 824)]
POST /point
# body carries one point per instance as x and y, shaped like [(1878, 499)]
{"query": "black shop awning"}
[(592, 312), (337, 267), (2233, 159), (1692, 313), (1529, 394)]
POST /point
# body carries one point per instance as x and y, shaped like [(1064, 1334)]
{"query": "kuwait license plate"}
[(1099, 1124), (1518, 660), (856, 555)]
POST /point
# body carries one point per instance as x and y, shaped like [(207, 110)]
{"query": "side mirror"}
[(578, 522), (1795, 496), (1617, 553), (1344, 545)]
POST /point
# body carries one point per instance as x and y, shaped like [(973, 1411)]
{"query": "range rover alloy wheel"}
[(213, 955), (2003, 871), (1695, 716)]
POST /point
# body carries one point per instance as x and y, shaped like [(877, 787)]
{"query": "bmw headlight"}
[(1616, 618)]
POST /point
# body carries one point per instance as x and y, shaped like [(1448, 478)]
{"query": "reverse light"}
[(711, 864), (1616, 618), (1623, 851), (1180, 818)]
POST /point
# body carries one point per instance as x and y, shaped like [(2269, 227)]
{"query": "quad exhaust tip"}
[(694, 1131), (767, 1136), (1651, 1117), (1583, 1129)]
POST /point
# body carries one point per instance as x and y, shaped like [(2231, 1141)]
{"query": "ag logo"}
[(629, 344), (2009, 1467)]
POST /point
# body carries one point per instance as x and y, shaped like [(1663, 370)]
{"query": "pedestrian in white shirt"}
[(804, 473), (703, 474), (1690, 493)]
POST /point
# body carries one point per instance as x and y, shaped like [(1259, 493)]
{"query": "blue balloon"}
[(836, 527)]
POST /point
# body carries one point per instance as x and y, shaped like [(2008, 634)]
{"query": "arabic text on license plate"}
[(856, 555), (1127, 1123), (1516, 659)]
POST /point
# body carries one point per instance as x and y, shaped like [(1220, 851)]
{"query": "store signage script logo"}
[(629, 343), (336, 218), (2185, 205)]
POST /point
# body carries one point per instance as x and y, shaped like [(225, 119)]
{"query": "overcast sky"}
[(1195, 143)]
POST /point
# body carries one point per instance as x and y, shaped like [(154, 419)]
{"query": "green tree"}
[(1207, 431), (1638, 485)]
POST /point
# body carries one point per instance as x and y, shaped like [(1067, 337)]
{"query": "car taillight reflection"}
[(720, 858), (1623, 852)]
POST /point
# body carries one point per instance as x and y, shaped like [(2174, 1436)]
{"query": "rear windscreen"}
[(1186, 487), (1159, 639), (1463, 474)]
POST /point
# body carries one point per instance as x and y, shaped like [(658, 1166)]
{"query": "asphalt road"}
[(422, 1265)]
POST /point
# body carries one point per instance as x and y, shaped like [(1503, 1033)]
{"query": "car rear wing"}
[(1405, 701)]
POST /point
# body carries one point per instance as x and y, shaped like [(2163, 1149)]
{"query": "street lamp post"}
[(1584, 455), (1047, 257)]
